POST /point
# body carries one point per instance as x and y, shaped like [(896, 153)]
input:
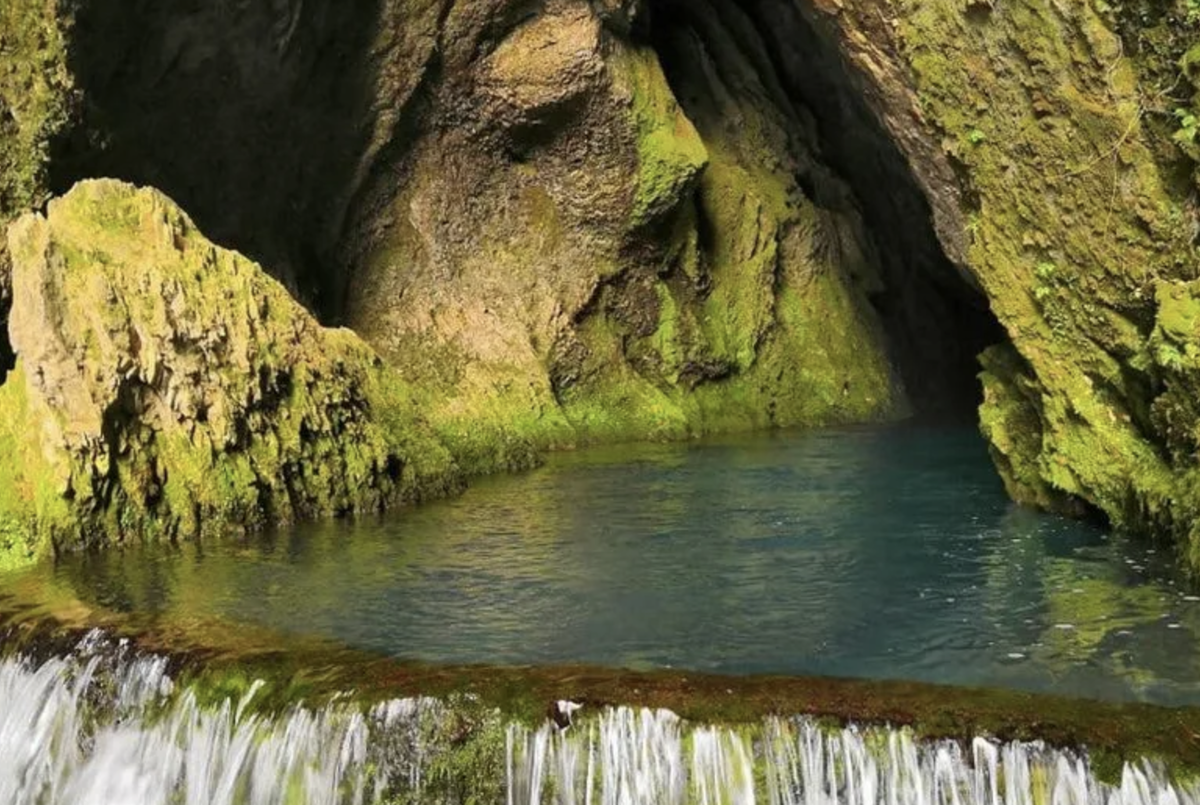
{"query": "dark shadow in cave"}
[(936, 320), (8, 359), (252, 116)]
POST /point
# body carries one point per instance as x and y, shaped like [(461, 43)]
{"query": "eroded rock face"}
[(169, 387), (565, 253), (36, 96), (1040, 133)]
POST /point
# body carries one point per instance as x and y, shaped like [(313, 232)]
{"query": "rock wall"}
[(1040, 133), (168, 388), (566, 221), (566, 255)]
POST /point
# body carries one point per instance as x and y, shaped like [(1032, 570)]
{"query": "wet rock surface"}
[(570, 221), (167, 387)]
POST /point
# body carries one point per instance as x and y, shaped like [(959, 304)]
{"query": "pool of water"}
[(881, 553)]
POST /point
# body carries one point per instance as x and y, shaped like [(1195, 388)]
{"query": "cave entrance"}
[(936, 320), (249, 115)]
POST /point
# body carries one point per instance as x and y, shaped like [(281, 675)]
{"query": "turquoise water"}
[(885, 553)]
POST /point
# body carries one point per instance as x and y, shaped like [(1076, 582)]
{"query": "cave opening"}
[(935, 318), (262, 124), (252, 116)]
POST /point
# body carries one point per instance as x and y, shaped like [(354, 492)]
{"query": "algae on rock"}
[(167, 387), (1034, 131), (36, 98)]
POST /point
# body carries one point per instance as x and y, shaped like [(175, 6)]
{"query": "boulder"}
[(168, 387)]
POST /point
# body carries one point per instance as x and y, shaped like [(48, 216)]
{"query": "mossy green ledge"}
[(218, 659), (168, 388)]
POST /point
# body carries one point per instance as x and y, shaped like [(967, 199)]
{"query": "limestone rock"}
[(166, 386), (36, 99), (1041, 136)]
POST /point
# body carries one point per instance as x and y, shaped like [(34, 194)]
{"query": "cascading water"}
[(640, 755), (104, 726)]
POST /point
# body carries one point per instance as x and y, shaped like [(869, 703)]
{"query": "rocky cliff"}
[(568, 221), (1046, 137), (168, 388)]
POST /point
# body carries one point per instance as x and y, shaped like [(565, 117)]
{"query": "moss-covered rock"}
[(579, 247), (562, 223), (1040, 133), (167, 387), (36, 101)]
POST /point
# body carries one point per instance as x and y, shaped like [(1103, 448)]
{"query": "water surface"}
[(880, 553)]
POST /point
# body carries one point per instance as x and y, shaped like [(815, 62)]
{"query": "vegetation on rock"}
[(36, 99), (1077, 228), (166, 387), (567, 224)]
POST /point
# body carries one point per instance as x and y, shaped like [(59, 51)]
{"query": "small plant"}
[(1193, 12), (1185, 135), (973, 224), (977, 137), (1169, 357), (1045, 273)]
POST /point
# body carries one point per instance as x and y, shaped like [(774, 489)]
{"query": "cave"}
[(936, 318), (252, 116), (265, 125)]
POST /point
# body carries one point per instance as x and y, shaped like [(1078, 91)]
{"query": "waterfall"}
[(805, 764), (104, 726)]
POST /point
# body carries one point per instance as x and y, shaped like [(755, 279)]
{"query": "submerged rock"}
[(168, 387)]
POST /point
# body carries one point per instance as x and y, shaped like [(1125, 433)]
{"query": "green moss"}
[(670, 152), (35, 98), (32, 507), (1075, 218), (206, 398)]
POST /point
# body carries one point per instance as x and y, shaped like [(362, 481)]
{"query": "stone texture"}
[(167, 387), (561, 257), (1041, 134)]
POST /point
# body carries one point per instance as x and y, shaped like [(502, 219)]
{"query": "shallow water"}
[(882, 553)]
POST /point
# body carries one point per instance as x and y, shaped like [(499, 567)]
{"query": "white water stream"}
[(102, 727)]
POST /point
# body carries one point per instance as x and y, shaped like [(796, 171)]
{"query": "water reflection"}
[(876, 553)]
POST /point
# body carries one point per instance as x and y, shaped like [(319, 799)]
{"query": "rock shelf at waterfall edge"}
[(219, 659), (104, 722)]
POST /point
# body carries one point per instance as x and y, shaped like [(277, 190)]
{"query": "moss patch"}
[(670, 151)]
